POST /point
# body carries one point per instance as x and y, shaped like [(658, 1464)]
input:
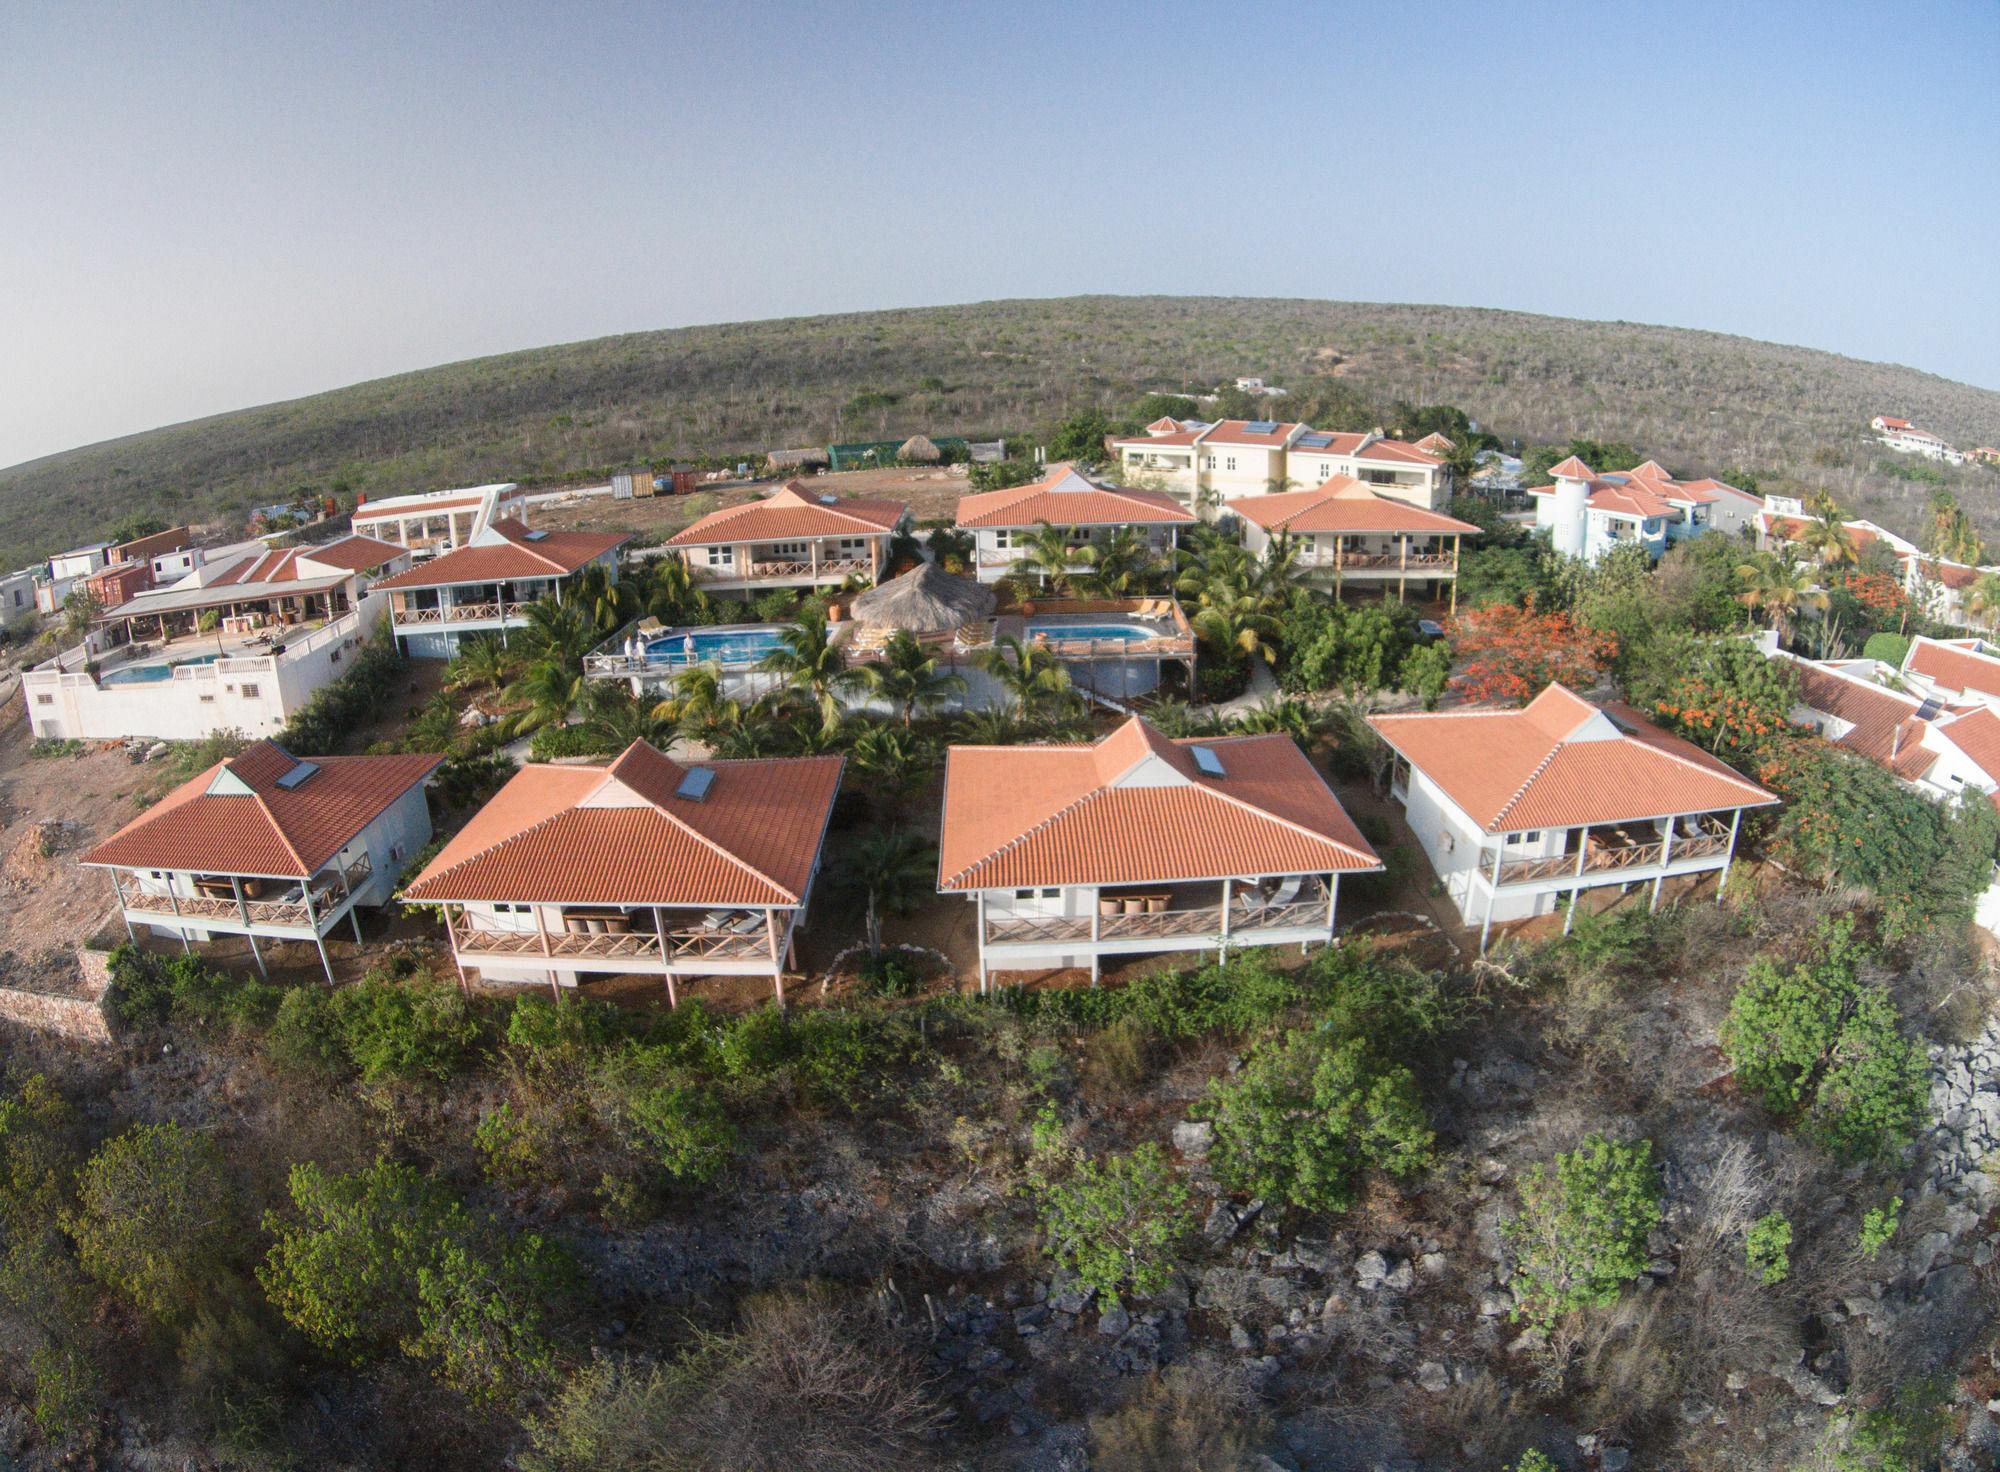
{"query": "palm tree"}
[(1237, 625), (892, 758), (1033, 676), (617, 716), (559, 631), (605, 601), (1051, 553), (1213, 567), (1952, 538), (1779, 586), (908, 677), (1280, 573), (481, 660), (1828, 538), (1119, 566), (671, 592), (890, 871), (811, 663), (1982, 599), (552, 689)]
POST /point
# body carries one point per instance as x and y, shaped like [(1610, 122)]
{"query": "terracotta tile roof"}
[(1436, 443), (1562, 763), (1977, 734), (1954, 575), (1179, 438), (789, 513), (1888, 423), (1572, 469), (265, 567), (235, 819), (1064, 498), (1165, 424), (1347, 445), (1344, 504), (1954, 665), (1791, 528), (356, 554), (1133, 808), (509, 555), (1633, 498), (1885, 728), (620, 835), (1237, 432)]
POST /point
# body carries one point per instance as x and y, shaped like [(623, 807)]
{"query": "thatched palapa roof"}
[(919, 448), (928, 600)]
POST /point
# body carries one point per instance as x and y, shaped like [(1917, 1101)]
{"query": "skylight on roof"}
[(829, 500), (1315, 441), (298, 775), (694, 786), (1928, 711), (1206, 761), (534, 536), (1261, 426)]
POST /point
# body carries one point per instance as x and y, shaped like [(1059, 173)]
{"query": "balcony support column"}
[(979, 902), (175, 905), (243, 909), (1096, 928), (129, 934), (1455, 539), (1492, 893), (1666, 858), (312, 920), (1403, 570), (542, 929), (777, 957), (660, 930), (1722, 884)]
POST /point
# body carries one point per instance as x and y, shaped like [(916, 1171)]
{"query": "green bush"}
[(1112, 1223), (1307, 1114), (150, 990), (1816, 1043), (385, 1259), (417, 1029), (584, 739), (306, 1037), (1767, 1248), (1580, 1234), (325, 722), (153, 1221), (686, 1131), (1878, 1226), (1889, 648)]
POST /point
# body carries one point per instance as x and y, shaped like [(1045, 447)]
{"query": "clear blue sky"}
[(207, 206)]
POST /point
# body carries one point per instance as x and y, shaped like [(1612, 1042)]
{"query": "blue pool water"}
[(1054, 630), (725, 645), (147, 674)]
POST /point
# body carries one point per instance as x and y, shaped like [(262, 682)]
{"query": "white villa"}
[(1953, 671), (1346, 531), (793, 538), (646, 867), (1586, 514), (1906, 439), (1518, 808), (1222, 462), (485, 586), (286, 623), (437, 521), (1004, 523), (1136, 844), (269, 847)]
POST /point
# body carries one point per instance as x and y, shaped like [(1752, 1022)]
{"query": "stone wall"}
[(80, 1016)]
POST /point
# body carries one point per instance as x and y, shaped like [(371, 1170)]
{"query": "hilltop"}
[(1699, 401)]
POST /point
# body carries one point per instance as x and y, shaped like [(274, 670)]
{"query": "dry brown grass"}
[(1201, 1416)]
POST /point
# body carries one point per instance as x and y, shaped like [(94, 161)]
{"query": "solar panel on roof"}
[(1206, 761), (694, 786), (1261, 426), (1928, 711), (1315, 441), (298, 775), (535, 536)]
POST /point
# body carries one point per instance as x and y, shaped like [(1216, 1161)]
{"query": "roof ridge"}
[(1279, 818), (279, 828), (700, 837), (1522, 791), (1022, 838)]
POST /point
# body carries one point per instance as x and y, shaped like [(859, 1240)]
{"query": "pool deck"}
[(151, 653)]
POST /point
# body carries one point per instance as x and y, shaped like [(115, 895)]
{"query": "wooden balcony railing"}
[(1165, 925), (461, 613), (1429, 562), (639, 942), (744, 572), (1609, 859), (327, 896), (1178, 646)]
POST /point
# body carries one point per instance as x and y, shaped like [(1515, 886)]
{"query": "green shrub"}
[(685, 1131), (1878, 1226), (153, 1221), (1816, 1043), (1580, 1234), (149, 990), (1889, 648), (325, 722), (584, 739), (385, 1259), (545, 1030), (1767, 1248), (67, 1389), (1905, 1435), (1113, 1223), (1307, 1114), (38, 1158), (306, 1037), (418, 1029)]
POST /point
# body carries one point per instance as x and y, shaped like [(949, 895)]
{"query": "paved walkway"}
[(1263, 687)]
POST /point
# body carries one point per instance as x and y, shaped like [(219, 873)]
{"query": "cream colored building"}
[(1209, 465)]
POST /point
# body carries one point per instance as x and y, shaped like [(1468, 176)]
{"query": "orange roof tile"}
[(1951, 574), (518, 554), (1885, 728), (1349, 445), (1562, 763), (1171, 439), (791, 511), (1236, 432), (1953, 665), (235, 819), (356, 554), (1977, 734), (1344, 504), (1133, 808), (1435, 443), (1064, 498), (1572, 469), (1633, 498), (621, 835)]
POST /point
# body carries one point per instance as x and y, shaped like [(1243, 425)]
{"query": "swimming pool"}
[(147, 674), (723, 644), (1055, 629)]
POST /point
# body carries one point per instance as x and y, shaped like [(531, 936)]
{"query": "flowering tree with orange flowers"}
[(1504, 653), (1881, 595), (1729, 698)]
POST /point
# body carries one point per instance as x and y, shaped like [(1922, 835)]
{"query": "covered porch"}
[(501, 604), (277, 908)]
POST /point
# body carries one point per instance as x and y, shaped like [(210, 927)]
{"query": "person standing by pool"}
[(687, 647)]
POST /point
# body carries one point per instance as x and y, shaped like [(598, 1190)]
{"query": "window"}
[(1024, 894), (208, 700), (788, 549), (1230, 464), (857, 545), (249, 691), (721, 556), (1520, 840), (1003, 539), (45, 699)]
